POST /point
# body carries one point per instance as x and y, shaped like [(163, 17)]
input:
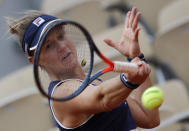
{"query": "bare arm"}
[(143, 118), (106, 95), (94, 99), (103, 97), (129, 46)]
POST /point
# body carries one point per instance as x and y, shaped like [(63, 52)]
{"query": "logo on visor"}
[(38, 21)]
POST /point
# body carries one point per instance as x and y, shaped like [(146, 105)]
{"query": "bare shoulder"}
[(84, 102), (66, 87)]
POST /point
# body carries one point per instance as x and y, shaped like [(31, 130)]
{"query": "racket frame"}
[(37, 55)]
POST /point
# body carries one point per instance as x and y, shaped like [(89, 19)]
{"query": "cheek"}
[(48, 63), (46, 60)]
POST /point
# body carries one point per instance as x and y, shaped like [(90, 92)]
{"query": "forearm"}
[(113, 92), (143, 117), (139, 91)]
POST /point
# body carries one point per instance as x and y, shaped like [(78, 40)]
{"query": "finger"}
[(132, 16), (137, 61), (110, 42), (136, 19), (145, 67), (127, 19), (136, 32)]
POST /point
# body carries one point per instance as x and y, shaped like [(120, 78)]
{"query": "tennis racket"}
[(78, 53)]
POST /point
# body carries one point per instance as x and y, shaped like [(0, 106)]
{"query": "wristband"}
[(127, 83), (141, 57)]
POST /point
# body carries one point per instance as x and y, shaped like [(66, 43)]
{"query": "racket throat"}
[(108, 69)]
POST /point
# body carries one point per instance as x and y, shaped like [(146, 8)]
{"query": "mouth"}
[(67, 56)]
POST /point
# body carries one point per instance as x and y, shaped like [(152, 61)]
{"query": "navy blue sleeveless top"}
[(118, 119)]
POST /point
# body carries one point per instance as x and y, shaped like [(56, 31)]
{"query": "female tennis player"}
[(103, 105)]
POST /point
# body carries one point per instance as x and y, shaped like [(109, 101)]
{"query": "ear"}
[(30, 59)]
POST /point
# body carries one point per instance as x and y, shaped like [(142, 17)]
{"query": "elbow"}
[(152, 123), (155, 121), (148, 123)]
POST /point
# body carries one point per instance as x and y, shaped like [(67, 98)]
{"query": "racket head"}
[(69, 29)]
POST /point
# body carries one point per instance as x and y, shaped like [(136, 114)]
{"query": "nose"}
[(61, 46)]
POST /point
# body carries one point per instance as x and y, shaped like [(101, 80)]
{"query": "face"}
[(58, 55)]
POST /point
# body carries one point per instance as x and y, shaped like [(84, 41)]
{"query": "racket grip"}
[(124, 67)]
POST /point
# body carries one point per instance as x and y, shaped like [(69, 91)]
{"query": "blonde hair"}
[(18, 26)]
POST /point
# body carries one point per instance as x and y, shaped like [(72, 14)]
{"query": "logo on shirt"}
[(38, 21)]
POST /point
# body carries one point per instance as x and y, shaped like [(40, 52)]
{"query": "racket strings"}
[(80, 43), (76, 45)]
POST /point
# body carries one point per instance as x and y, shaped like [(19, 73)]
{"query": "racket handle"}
[(124, 67)]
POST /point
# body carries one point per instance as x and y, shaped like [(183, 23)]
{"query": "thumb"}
[(137, 61), (110, 42)]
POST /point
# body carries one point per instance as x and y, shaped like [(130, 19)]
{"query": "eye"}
[(47, 46), (60, 36)]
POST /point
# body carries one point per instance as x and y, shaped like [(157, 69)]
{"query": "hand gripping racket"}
[(76, 49)]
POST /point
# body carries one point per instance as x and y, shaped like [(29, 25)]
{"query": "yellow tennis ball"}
[(83, 62), (152, 98)]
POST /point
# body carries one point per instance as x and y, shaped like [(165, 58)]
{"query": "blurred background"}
[(164, 40)]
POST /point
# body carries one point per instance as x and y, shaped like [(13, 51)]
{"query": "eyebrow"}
[(58, 30)]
